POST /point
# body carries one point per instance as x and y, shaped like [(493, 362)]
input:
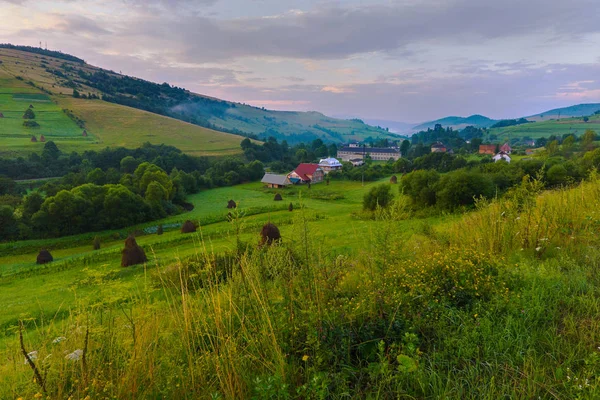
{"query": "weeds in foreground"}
[(470, 315)]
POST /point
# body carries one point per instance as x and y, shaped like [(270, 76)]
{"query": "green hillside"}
[(576, 126), (457, 122), (23, 83), (579, 110), (63, 76)]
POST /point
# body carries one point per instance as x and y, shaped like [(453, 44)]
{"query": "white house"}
[(501, 156), (330, 164)]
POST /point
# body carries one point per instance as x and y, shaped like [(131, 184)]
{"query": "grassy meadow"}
[(107, 124), (500, 302), (546, 129)]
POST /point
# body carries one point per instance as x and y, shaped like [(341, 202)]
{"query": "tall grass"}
[(502, 303)]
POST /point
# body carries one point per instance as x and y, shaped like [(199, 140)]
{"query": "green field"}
[(331, 223), (54, 124), (546, 129)]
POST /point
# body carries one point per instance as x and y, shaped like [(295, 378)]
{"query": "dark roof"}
[(367, 150), (275, 179), (438, 145)]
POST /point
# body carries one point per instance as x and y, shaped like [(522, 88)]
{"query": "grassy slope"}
[(331, 225), (246, 118), (547, 128), (533, 333), (107, 124)]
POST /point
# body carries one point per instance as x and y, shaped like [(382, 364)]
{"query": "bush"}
[(380, 195), (96, 243), (461, 188), (29, 114), (30, 124), (419, 186)]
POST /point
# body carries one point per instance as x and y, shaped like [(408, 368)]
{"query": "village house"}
[(307, 173), (501, 156), (355, 150), (357, 162), (438, 147), (330, 164), (506, 148), (274, 181), (487, 149), (529, 152)]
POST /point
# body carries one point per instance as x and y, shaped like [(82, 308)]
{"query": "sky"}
[(405, 60)]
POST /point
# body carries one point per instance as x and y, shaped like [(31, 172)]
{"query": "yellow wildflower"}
[(305, 358)]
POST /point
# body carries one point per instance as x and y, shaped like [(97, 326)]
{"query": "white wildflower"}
[(59, 339), (33, 355), (74, 356), (538, 248)]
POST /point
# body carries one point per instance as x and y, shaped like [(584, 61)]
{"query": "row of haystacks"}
[(133, 254)]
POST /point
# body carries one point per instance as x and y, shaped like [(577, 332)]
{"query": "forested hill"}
[(87, 81), (457, 122)]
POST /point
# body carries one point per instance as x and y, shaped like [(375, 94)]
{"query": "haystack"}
[(231, 204), (188, 227), (394, 179), (291, 207), (159, 230), (1, 115), (96, 243), (84, 133), (132, 254), (33, 139), (44, 257), (278, 197), (42, 138), (269, 234), (31, 106)]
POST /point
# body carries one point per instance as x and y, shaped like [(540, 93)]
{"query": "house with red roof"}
[(506, 148), (307, 173)]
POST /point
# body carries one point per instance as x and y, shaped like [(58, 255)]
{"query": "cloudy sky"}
[(405, 60)]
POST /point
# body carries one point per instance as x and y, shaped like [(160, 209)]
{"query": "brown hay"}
[(269, 234), (394, 179), (44, 257), (96, 243), (188, 227), (33, 139), (291, 207), (231, 204), (42, 138), (132, 254), (278, 197)]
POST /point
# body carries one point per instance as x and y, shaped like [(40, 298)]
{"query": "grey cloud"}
[(338, 32)]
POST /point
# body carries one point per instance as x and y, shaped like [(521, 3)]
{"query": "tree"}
[(9, 228), (50, 152), (586, 119), (588, 139), (461, 188), (76, 94), (29, 114), (129, 164), (32, 204), (419, 186), (96, 176), (378, 196), (404, 147), (552, 147)]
